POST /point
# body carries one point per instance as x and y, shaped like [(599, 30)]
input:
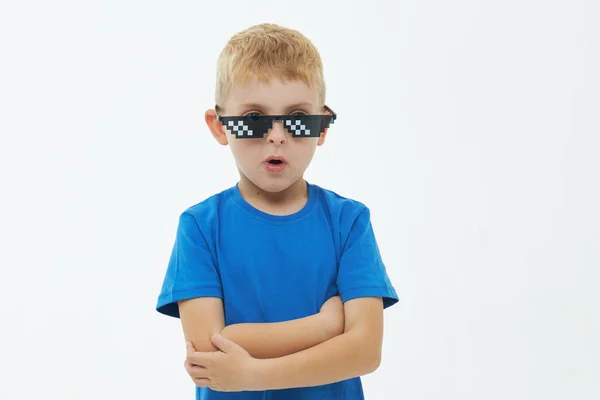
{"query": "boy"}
[(279, 283)]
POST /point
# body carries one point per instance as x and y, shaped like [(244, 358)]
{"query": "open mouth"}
[(276, 165)]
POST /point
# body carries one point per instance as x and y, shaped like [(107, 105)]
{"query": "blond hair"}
[(266, 51)]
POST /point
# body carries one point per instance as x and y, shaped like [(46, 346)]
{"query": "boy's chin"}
[(271, 185), (275, 187)]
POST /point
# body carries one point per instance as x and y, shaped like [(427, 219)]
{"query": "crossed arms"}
[(342, 341)]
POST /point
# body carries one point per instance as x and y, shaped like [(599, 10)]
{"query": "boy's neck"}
[(286, 202)]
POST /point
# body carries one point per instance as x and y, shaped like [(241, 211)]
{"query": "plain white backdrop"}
[(470, 128)]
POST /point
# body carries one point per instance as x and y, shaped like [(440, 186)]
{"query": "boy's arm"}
[(354, 353), (202, 317)]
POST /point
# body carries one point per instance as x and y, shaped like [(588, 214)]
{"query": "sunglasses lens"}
[(306, 125), (246, 127)]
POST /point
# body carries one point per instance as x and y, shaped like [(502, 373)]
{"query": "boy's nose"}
[(277, 133)]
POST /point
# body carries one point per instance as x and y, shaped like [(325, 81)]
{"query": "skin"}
[(280, 193)]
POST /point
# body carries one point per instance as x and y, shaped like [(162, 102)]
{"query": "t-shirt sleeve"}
[(191, 271), (362, 272)]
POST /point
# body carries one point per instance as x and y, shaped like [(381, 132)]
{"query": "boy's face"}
[(251, 155)]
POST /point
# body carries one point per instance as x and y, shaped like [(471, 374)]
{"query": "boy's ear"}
[(321, 140), (215, 126)]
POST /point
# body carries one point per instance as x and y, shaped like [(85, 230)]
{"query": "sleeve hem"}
[(387, 293), (167, 302)]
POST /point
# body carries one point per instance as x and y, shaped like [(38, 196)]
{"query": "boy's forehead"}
[(273, 94)]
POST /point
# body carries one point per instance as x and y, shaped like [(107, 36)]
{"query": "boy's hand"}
[(333, 316), (228, 370)]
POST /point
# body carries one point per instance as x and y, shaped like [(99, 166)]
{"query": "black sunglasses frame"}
[(309, 125)]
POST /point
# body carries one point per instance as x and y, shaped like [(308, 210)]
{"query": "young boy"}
[(279, 283)]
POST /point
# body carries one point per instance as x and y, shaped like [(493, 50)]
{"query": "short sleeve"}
[(362, 272), (191, 271)]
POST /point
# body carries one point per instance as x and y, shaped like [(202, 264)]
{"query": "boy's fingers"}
[(189, 348), (198, 371), (202, 359)]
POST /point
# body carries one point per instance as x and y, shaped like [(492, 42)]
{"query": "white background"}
[(471, 130)]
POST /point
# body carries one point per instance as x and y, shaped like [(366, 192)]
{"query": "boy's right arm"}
[(202, 317)]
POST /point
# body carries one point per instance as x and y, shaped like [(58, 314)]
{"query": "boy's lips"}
[(275, 164)]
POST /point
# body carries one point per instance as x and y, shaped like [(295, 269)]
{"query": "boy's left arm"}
[(354, 353)]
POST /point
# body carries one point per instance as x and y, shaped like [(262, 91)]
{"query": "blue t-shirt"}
[(269, 268)]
